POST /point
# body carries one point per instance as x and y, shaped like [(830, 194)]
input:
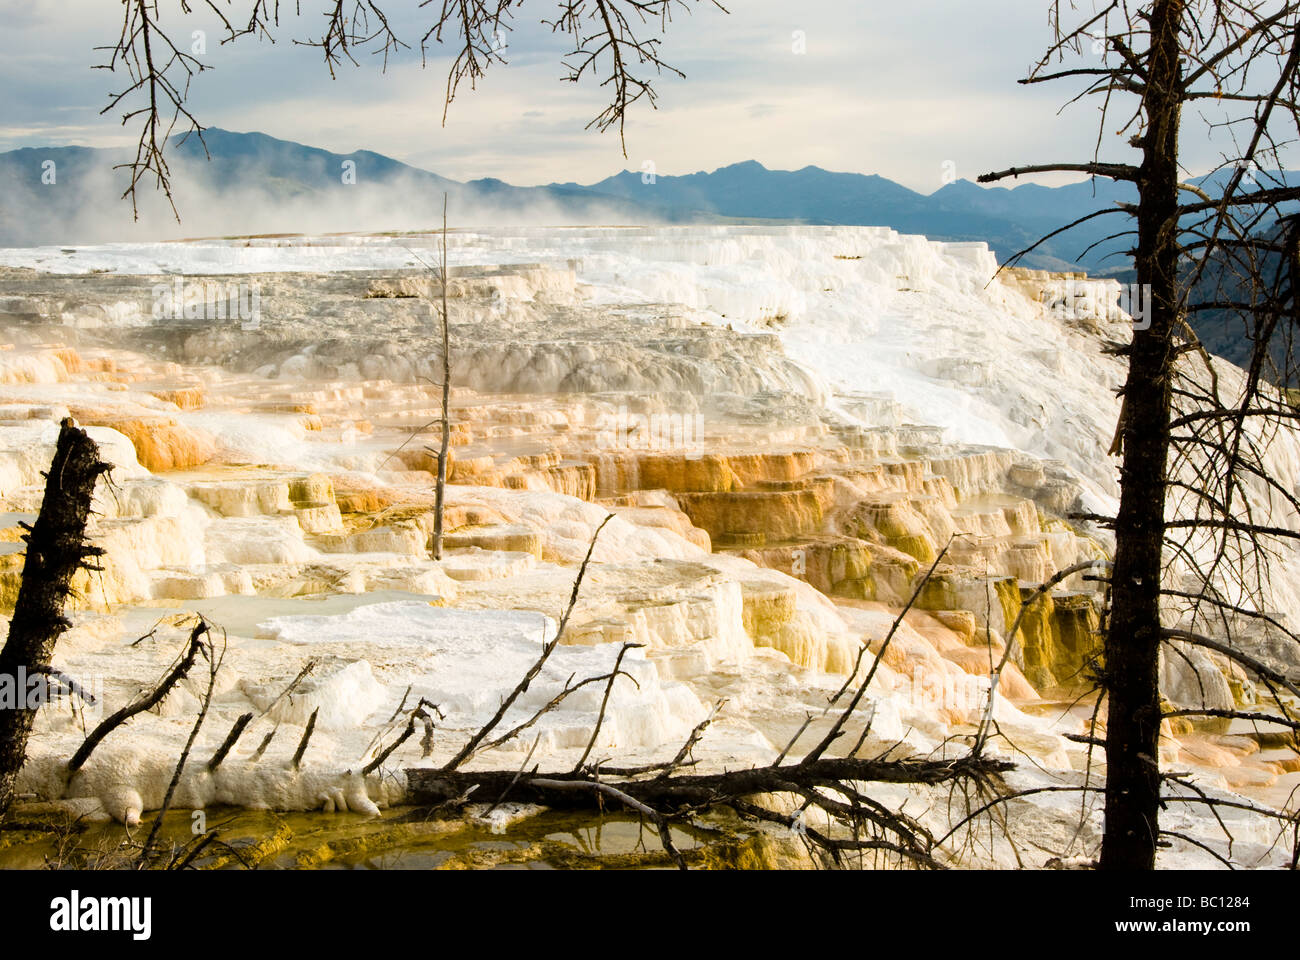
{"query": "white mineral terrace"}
[(787, 423)]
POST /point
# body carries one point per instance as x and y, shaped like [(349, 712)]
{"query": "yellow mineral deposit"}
[(285, 492)]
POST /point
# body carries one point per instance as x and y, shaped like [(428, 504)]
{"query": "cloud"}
[(894, 89)]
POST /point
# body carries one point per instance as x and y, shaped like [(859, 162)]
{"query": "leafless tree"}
[(445, 421), (1199, 499), (614, 42)]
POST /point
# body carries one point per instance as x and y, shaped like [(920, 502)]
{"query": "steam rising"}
[(249, 196)]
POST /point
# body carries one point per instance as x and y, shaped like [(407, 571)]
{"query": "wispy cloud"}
[(895, 89)]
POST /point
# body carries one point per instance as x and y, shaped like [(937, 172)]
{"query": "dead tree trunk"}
[(56, 549), (1193, 445), (1133, 641), (429, 786), (439, 494)]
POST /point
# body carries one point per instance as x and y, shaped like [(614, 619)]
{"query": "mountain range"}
[(244, 183)]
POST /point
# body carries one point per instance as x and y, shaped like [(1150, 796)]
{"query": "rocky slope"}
[(789, 425)]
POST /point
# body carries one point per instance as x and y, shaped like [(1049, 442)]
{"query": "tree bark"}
[(1133, 642), (440, 493), (432, 786), (56, 549)]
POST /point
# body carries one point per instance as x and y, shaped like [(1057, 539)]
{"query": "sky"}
[(916, 91)]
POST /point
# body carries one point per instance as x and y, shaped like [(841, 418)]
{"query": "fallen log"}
[(432, 787), (857, 823)]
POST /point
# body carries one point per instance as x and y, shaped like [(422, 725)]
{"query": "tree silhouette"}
[(1197, 523)]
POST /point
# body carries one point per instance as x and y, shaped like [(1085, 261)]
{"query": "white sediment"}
[(874, 329)]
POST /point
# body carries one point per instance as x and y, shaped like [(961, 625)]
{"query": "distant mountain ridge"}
[(1010, 220), (256, 183), (253, 183)]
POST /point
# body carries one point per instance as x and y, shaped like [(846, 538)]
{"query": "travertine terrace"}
[(789, 425)]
